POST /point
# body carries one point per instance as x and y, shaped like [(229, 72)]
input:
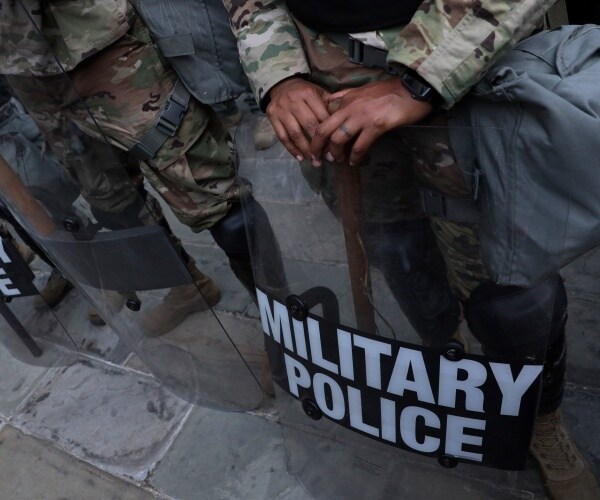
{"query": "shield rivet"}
[(296, 307), (453, 350), (72, 224), (134, 304), (448, 461), (311, 409)]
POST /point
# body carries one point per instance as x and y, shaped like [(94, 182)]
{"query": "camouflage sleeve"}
[(269, 45), (451, 43)]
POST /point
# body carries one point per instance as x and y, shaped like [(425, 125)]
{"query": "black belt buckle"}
[(175, 107), (170, 117), (370, 57), (355, 51)]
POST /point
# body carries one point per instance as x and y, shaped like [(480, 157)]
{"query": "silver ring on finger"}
[(344, 129)]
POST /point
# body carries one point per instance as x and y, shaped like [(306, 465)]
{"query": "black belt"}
[(167, 125), (362, 54)]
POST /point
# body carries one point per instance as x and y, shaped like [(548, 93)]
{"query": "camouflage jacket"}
[(449, 43), (72, 30)]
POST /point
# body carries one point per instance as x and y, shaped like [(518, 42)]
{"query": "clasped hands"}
[(316, 125)]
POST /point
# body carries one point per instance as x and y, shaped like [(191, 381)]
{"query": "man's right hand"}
[(296, 109)]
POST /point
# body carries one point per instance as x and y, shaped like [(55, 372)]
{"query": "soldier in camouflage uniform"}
[(117, 86), (326, 108)]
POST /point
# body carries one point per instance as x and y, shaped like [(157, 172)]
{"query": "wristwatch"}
[(418, 88)]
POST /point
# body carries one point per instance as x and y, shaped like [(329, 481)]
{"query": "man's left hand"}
[(363, 114)]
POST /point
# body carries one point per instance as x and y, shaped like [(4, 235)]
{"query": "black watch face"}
[(418, 90)]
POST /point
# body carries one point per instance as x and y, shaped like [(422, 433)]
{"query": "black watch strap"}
[(418, 88)]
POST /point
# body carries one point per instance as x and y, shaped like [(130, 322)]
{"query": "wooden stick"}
[(16, 195), (352, 216)]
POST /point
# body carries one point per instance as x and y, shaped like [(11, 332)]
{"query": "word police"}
[(394, 392)]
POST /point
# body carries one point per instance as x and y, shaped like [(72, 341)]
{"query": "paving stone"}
[(67, 324), (40, 323), (96, 341), (135, 363), (20, 372), (229, 456), (247, 335), (307, 233), (583, 275), (33, 469), (116, 420), (581, 408), (583, 338)]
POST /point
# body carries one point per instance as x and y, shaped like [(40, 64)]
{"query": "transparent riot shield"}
[(383, 390), (30, 332), (114, 244)]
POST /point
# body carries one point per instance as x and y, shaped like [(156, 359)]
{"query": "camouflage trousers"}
[(115, 97), (397, 164)]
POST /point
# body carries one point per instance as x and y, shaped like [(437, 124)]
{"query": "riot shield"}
[(29, 338), (113, 242), (383, 391), (31, 332)]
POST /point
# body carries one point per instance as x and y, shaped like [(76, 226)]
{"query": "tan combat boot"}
[(566, 475), (180, 302), (264, 135), (113, 302), (54, 291)]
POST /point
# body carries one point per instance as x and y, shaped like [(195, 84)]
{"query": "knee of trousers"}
[(518, 322), (127, 218)]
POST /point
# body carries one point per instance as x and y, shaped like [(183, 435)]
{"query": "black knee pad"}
[(525, 323), (517, 322), (230, 234)]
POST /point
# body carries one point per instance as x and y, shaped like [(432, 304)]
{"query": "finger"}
[(323, 132), (317, 106), (282, 135), (307, 120), (296, 135), (338, 95), (361, 145), (341, 138)]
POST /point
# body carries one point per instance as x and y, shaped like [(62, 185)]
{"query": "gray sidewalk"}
[(96, 424), (87, 420)]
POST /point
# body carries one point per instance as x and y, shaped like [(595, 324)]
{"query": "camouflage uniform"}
[(116, 88), (450, 44)]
